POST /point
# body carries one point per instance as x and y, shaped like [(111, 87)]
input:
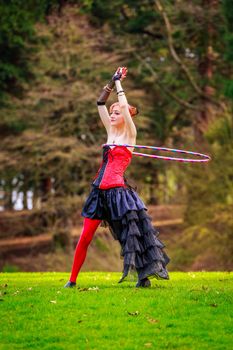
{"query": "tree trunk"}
[(205, 69), (7, 193), (46, 187)]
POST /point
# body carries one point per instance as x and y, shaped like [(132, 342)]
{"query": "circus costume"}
[(113, 201)]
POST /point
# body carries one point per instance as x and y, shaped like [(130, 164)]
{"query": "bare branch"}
[(173, 51), (142, 31), (177, 59), (165, 90)]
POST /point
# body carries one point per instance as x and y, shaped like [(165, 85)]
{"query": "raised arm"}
[(132, 131), (102, 109)]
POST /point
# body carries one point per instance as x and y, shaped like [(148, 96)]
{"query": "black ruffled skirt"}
[(122, 210)]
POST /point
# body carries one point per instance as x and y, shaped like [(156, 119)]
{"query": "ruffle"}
[(111, 204), (141, 248), (122, 210)]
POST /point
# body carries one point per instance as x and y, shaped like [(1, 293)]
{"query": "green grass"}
[(192, 310)]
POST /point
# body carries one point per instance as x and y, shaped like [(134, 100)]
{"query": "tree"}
[(18, 41)]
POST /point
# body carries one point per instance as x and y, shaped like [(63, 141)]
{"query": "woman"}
[(116, 203)]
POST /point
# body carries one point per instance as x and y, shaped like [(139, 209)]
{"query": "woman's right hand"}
[(124, 72), (120, 73)]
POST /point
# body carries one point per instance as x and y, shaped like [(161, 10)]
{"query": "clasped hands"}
[(120, 73)]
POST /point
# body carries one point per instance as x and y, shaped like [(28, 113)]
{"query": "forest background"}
[(56, 56)]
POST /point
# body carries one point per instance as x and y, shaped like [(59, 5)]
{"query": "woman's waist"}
[(106, 186), (109, 179)]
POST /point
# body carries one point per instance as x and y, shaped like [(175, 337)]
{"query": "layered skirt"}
[(122, 210)]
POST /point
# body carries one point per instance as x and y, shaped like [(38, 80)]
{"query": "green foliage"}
[(101, 10), (208, 241), (227, 6), (212, 182), (100, 244), (10, 268), (18, 40), (138, 24), (229, 89), (228, 54), (17, 32), (221, 132), (208, 217), (52, 133)]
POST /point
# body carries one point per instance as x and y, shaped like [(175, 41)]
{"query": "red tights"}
[(89, 228)]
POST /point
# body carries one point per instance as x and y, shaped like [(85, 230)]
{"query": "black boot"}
[(70, 284), (145, 282)]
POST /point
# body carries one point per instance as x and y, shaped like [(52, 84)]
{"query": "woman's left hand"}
[(120, 73)]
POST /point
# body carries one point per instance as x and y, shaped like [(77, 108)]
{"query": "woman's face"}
[(116, 118)]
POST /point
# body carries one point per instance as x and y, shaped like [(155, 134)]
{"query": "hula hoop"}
[(205, 158)]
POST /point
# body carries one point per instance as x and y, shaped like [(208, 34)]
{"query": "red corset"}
[(111, 171)]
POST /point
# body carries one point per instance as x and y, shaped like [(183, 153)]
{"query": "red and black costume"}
[(111, 171), (113, 201)]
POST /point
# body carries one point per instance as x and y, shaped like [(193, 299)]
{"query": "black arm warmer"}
[(105, 93)]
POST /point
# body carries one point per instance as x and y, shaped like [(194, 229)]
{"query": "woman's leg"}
[(89, 228)]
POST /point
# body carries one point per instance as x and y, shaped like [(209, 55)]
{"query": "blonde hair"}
[(132, 110)]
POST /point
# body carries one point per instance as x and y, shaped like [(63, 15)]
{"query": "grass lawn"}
[(192, 310)]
